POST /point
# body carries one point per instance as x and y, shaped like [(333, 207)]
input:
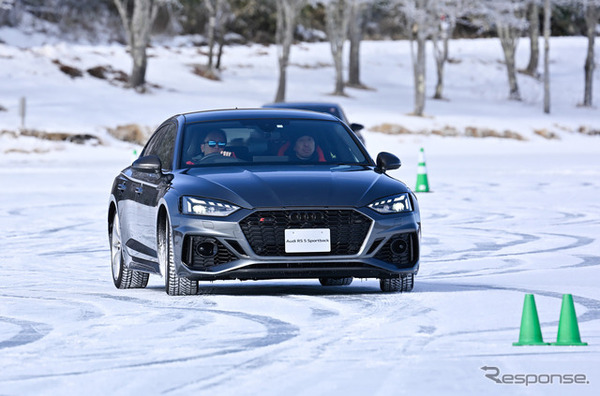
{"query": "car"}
[(321, 107), (225, 195)]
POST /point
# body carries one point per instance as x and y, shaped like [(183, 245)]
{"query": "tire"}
[(336, 281), (403, 284), (175, 285), (123, 278)]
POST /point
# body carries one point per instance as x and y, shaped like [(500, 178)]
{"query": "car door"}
[(123, 191), (150, 187)]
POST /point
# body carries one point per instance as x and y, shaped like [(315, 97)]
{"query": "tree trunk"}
[(534, 36), (140, 32), (508, 40), (591, 19), (441, 55), (418, 61), (221, 41), (420, 19), (547, 14), (137, 27), (339, 74), (337, 17), (439, 86), (284, 35), (212, 21), (280, 95), (138, 72), (355, 36), (419, 74)]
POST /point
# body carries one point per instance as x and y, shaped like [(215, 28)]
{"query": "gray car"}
[(234, 194), (321, 107)]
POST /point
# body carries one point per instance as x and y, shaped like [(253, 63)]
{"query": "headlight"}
[(396, 204), (206, 207)]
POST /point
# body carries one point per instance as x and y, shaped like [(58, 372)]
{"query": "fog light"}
[(398, 246), (207, 248)]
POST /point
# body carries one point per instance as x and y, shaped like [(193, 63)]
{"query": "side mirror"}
[(357, 127), (148, 164), (387, 161)]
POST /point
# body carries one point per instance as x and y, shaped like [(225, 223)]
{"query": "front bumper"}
[(365, 245)]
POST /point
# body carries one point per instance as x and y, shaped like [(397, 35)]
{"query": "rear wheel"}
[(336, 281), (175, 285), (123, 278), (404, 283)]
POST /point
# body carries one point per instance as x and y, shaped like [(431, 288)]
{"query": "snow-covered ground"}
[(505, 218)]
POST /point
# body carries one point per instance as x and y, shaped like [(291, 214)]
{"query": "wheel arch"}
[(161, 220), (112, 210)]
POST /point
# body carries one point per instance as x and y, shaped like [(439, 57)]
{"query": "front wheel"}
[(175, 285), (404, 283), (123, 278)]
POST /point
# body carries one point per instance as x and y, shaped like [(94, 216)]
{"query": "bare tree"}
[(509, 18), (355, 31), (218, 12), (445, 12), (592, 13), (533, 12), (420, 21), (287, 11), (137, 21), (547, 14), (337, 18), (225, 17)]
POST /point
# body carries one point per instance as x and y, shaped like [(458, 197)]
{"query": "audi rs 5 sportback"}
[(261, 194)]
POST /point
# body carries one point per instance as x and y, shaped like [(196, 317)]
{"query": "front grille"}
[(401, 250), (265, 230), (195, 260)]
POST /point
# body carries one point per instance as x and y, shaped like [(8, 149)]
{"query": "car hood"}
[(296, 186)]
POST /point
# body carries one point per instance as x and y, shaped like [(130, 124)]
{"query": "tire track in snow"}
[(338, 314), (29, 332), (277, 332), (579, 241)]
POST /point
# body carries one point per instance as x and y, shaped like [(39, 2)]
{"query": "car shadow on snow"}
[(261, 288)]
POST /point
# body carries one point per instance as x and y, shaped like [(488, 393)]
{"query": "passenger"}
[(304, 148)]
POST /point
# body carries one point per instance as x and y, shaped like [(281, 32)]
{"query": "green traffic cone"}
[(531, 333), (422, 181), (568, 329)]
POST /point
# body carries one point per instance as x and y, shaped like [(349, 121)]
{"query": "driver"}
[(214, 143), (212, 148)]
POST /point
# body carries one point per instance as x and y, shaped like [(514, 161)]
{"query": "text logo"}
[(493, 373)]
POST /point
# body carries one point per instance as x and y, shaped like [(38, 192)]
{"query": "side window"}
[(166, 146), (162, 144), (152, 144)]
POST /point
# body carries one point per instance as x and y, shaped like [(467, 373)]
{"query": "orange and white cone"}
[(422, 181)]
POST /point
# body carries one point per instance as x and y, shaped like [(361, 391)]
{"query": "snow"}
[(505, 218)]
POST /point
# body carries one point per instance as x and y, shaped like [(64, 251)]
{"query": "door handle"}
[(139, 190), (121, 187)]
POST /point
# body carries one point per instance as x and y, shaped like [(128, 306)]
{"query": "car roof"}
[(324, 107), (260, 113), (301, 104)]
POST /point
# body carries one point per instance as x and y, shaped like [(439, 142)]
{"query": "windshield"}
[(268, 141)]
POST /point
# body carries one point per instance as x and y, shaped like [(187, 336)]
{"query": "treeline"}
[(216, 23), (251, 20)]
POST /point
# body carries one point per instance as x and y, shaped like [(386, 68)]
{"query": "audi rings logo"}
[(306, 217)]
